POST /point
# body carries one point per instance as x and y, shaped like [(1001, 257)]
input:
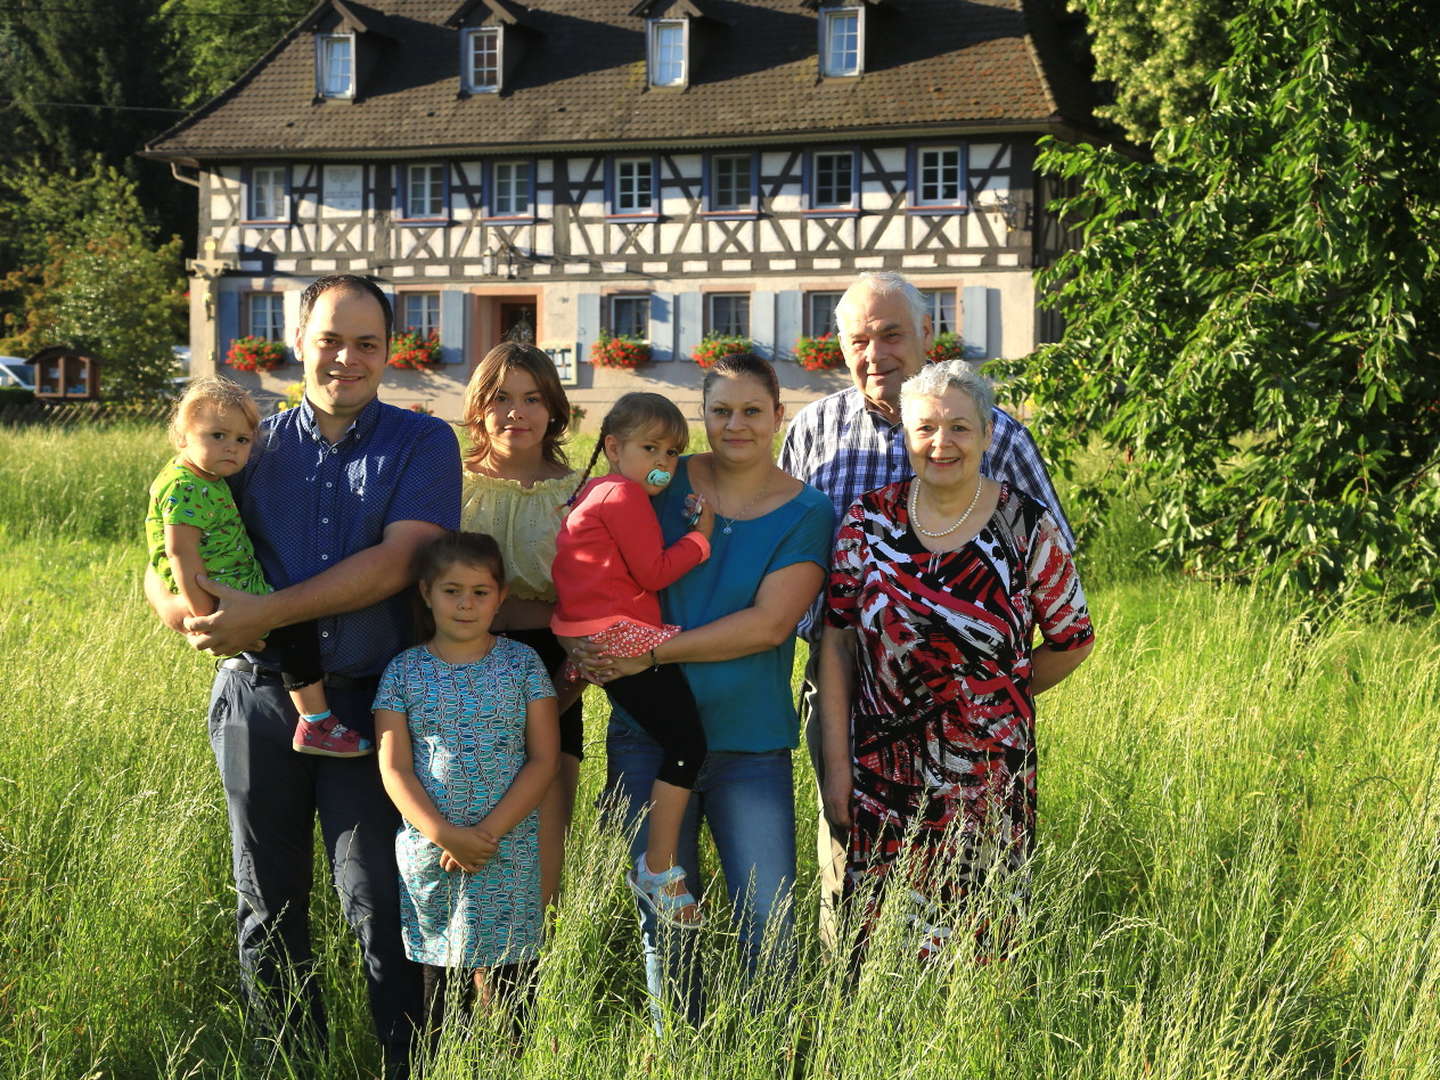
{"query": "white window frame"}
[(273, 306), (441, 209), (936, 198), (747, 165), (937, 301), (654, 53), (323, 44), (471, 36), (830, 20), (512, 207), (816, 201), (278, 186), (815, 327), (639, 300), (633, 207), (711, 322), (428, 304)]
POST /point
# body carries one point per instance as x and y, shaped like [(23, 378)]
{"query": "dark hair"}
[(350, 283), (432, 559), (634, 413), (485, 383), (735, 365)]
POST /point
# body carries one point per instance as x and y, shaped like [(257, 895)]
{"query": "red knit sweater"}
[(611, 560)]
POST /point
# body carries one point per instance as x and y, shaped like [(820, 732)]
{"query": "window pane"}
[(821, 312), (267, 193), (630, 316), (667, 53), (632, 184), (942, 309), (267, 316), (335, 65), (512, 188), (426, 191), (730, 182), (832, 180), (842, 43), (421, 312), (730, 314), (485, 59), (940, 176)]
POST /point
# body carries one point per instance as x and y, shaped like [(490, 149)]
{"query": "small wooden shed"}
[(66, 374)]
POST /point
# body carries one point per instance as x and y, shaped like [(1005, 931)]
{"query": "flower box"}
[(713, 346), (946, 346), (256, 354), (413, 350), (625, 351), (819, 353)]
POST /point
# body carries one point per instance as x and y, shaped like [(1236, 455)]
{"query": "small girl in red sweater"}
[(610, 563)]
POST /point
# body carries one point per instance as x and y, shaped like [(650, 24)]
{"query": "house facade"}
[(666, 171)]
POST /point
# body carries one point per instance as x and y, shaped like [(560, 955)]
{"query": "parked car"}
[(16, 372)]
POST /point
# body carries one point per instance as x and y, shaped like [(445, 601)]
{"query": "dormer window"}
[(335, 65), (668, 41), (842, 41), (482, 60)]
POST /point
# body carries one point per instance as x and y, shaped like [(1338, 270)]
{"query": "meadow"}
[(1238, 872)]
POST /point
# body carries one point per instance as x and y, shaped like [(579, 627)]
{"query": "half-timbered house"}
[(667, 169)]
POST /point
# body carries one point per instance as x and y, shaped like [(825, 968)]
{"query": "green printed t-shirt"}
[(179, 497)]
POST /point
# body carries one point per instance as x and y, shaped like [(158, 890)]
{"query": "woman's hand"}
[(836, 796)]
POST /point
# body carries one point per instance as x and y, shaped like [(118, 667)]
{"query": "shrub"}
[(713, 346), (624, 351), (415, 351), (819, 353), (256, 354)]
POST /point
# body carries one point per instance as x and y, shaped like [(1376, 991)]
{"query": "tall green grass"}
[(1238, 872)]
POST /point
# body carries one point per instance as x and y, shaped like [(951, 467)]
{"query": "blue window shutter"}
[(762, 324), (587, 321), (994, 339), (690, 317), (789, 321), (975, 326), (454, 326), (227, 323), (662, 327)]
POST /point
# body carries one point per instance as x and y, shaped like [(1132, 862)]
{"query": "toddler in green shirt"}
[(194, 527)]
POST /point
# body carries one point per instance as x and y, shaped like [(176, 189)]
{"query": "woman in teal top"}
[(769, 552)]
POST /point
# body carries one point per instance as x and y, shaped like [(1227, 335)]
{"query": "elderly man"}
[(342, 492), (851, 442)]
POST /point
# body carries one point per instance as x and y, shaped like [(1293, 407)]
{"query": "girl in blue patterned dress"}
[(469, 742)]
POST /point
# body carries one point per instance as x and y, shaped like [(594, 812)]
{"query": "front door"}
[(517, 321)]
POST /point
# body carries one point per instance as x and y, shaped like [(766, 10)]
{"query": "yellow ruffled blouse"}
[(523, 521)]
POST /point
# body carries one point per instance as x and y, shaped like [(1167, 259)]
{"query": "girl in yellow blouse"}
[(516, 484)]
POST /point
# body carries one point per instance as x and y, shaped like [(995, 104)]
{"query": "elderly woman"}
[(927, 672)]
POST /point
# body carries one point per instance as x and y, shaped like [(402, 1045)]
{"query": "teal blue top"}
[(746, 704)]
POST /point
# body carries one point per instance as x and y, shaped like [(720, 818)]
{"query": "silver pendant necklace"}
[(728, 523), (915, 504)]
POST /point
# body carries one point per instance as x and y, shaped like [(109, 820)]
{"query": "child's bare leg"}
[(667, 811), (507, 989), (310, 700)]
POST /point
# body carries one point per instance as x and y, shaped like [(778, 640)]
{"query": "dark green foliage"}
[(1255, 319), (217, 40)]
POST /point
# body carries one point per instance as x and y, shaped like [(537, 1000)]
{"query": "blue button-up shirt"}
[(845, 450), (308, 504)]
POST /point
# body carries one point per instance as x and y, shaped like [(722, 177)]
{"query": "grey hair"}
[(933, 380), (886, 283)]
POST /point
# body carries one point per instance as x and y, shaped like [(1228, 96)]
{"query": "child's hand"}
[(702, 513), (468, 848)]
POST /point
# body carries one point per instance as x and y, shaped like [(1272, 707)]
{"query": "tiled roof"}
[(582, 81)]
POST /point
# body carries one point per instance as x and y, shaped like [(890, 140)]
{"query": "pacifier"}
[(658, 477)]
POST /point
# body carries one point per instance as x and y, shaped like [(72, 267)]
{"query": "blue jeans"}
[(749, 803)]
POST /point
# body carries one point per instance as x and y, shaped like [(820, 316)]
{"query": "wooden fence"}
[(84, 413)]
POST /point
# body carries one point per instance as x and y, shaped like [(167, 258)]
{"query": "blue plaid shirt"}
[(308, 504), (845, 450)]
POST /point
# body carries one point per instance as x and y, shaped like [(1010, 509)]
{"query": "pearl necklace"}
[(915, 504)]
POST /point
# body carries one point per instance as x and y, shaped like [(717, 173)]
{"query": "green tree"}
[(1160, 55), (1255, 318), (218, 40)]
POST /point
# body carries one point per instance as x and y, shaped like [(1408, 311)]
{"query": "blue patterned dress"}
[(467, 730)]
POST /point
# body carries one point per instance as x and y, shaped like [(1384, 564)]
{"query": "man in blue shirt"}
[(852, 442), (337, 498)]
